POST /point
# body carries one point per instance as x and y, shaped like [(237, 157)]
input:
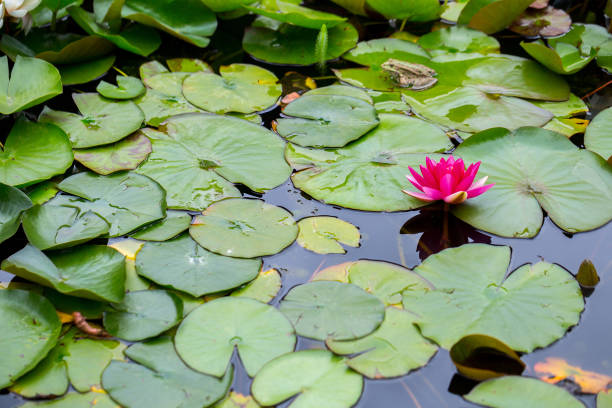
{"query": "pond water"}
[(407, 238)]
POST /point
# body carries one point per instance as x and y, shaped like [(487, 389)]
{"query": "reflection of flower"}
[(19, 9), (447, 180)]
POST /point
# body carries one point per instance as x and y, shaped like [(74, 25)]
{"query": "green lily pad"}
[(127, 88), (42, 192), (392, 350), (219, 6), (236, 400), (604, 56), (125, 154), (12, 204), (533, 167), (458, 39), (491, 16), (258, 331), (517, 392), (143, 314), (136, 38), (387, 281), (163, 230), (562, 58), (324, 235), (188, 20), (574, 106), (332, 310), (264, 287), (188, 65), (531, 308), (75, 359), (33, 152), (164, 98), (598, 136), (83, 72), (183, 265), (326, 120), (93, 271), (604, 399), (289, 44), (32, 326), (125, 200), (375, 52), (161, 379), (369, 174), (57, 224), (75, 399), (324, 381), (292, 13), (90, 309), (244, 228), (31, 82), (101, 121), (242, 88), (418, 11)]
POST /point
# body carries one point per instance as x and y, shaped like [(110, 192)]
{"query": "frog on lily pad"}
[(410, 75)]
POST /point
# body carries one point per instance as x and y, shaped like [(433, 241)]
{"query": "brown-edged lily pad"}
[(546, 22), (126, 154)]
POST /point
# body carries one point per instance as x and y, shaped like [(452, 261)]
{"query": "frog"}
[(410, 75)]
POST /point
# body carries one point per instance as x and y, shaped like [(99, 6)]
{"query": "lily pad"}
[(33, 152), (75, 399), (264, 287), (332, 310), (127, 88), (101, 121), (542, 299), (91, 271), (517, 392), (183, 265), (143, 314), (387, 281), (458, 39), (289, 44), (242, 88), (531, 168), (12, 204), (58, 224), (125, 154), (83, 72), (393, 350), (293, 13), (244, 228), (219, 6), (375, 52), (34, 327), (598, 136), (125, 200), (188, 20), (163, 230), (604, 399), (161, 379), (491, 16), (325, 381), (546, 22), (258, 331), (562, 58), (418, 11), (368, 174), (236, 400), (31, 82), (326, 120), (324, 235), (188, 65)]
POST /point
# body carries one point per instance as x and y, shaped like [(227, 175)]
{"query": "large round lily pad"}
[(242, 88), (393, 350), (184, 265), (289, 44), (533, 167), (518, 392), (531, 308), (126, 154), (32, 81), (258, 331), (31, 328), (291, 12), (125, 200), (12, 204), (332, 310), (143, 314), (161, 379), (101, 121), (598, 136), (326, 119), (33, 152), (324, 381), (370, 173), (91, 271), (244, 228)]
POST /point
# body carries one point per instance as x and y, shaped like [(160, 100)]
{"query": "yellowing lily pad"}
[(126, 154), (323, 235), (264, 287)]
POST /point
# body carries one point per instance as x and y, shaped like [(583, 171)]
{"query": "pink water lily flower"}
[(447, 180)]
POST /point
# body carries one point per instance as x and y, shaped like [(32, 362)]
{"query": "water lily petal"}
[(420, 196), (474, 192), (433, 193), (416, 176), (456, 198), (414, 182)]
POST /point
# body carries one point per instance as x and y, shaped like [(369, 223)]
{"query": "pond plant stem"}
[(596, 90)]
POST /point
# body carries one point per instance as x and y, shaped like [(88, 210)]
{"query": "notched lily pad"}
[(13, 203), (127, 88), (125, 154), (264, 287), (163, 230), (324, 235)]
